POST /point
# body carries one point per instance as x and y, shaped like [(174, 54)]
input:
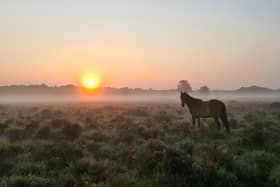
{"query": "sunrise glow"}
[(90, 82)]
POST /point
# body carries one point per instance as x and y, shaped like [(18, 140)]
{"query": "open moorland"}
[(137, 144)]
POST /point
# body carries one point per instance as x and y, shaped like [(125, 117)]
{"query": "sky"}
[(148, 43)]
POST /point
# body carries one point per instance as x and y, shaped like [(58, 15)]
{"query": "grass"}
[(137, 145)]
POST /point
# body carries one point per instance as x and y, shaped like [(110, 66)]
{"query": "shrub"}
[(140, 111), (275, 105), (60, 123), (55, 164), (121, 120), (163, 116), (45, 114), (151, 133), (84, 165), (157, 157), (106, 151), (209, 174), (150, 156), (31, 127), (254, 167), (98, 136), (275, 148), (28, 181), (187, 145), (176, 162), (9, 151), (260, 134), (72, 132), (250, 117), (26, 168), (3, 126), (5, 167), (274, 177), (15, 134), (98, 171), (65, 151), (124, 180), (235, 124), (44, 133)]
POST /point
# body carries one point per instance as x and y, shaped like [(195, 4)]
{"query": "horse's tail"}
[(224, 118)]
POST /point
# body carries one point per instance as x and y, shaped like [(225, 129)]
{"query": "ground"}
[(137, 144)]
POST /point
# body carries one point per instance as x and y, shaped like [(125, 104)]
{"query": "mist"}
[(172, 98)]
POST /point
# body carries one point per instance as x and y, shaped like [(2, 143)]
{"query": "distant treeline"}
[(72, 89)]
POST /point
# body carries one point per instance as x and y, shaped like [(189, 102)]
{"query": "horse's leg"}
[(198, 120), (217, 122), (193, 121), (224, 119), (225, 123)]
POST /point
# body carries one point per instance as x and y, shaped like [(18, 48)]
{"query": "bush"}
[(44, 133), (72, 132), (274, 177), (254, 136), (176, 162), (235, 124), (124, 180), (106, 151), (254, 167), (28, 181), (59, 123), (97, 136), (157, 157), (31, 127), (94, 171), (26, 168), (10, 151), (149, 157), (275, 148), (216, 153), (275, 105), (5, 167), (163, 116), (209, 174), (65, 151), (55, 164), (15, 134), (3, 126), (140, 112)]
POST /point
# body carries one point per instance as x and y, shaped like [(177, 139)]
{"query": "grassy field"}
[(147, 145)]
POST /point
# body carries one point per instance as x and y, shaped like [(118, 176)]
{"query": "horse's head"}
[(182, 98)]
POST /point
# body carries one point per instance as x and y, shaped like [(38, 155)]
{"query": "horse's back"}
[(216, 105), (216, 101)]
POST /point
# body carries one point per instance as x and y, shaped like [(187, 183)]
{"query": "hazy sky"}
[(143, 43)]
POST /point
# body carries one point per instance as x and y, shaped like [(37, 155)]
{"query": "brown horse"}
[(205, 109)]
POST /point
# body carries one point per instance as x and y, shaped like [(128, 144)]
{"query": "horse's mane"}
[(196, 100)]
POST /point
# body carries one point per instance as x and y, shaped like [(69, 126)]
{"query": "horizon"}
[(102, 87), (147, 44)]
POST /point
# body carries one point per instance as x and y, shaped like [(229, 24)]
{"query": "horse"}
[(205, 109)]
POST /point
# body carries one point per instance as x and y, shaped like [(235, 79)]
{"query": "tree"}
[(204, 90), (184, 86)]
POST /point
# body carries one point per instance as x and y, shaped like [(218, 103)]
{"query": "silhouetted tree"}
[(184, 86), (125, 90), (204, 90)]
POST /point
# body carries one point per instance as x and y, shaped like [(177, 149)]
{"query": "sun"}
[(90, 82)]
